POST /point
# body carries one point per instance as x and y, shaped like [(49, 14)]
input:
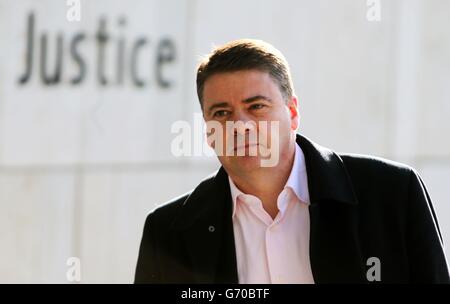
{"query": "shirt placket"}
[(274, 241)]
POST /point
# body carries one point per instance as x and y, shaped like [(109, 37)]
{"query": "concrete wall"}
[(82, 164)]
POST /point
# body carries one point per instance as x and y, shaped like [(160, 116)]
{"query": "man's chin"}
[(245, 163)]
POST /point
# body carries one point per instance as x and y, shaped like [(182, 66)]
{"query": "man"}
[(314, 216)]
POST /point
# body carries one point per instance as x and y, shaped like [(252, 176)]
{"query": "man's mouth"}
[(246, 146)]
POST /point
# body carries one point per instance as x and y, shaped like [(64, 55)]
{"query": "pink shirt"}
[(274, 250)]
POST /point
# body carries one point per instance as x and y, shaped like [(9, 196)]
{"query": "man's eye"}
[(221, 113), (257, 106)]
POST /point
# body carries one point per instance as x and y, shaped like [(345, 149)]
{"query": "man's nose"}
[(243, 124)]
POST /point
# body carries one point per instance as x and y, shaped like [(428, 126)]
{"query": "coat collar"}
[(205, 222), (328, 179)]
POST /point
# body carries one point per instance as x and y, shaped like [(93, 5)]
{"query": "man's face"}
[(251, 97)]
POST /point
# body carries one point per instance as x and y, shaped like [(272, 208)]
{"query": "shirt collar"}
[(297, 180), (235, 192)]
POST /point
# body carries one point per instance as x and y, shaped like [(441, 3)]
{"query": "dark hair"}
[(246, 54)]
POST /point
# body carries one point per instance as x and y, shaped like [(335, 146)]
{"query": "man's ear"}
[(293, 112)]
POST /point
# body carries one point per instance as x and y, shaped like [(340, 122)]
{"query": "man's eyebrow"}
[(217, 105), (255, 98), (246, 100)]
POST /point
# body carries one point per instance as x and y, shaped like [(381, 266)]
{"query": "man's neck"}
[(266, 183)]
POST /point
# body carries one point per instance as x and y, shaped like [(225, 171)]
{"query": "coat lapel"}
[(335, 252), (335, 255)]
